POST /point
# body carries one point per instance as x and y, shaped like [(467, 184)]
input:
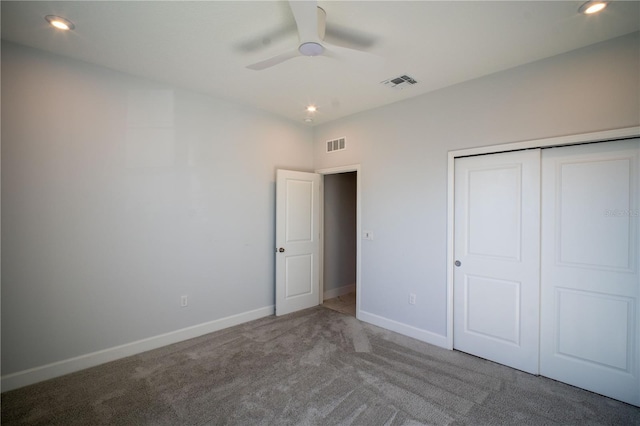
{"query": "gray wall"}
[(339, 230), (120, 195), (402, 150)]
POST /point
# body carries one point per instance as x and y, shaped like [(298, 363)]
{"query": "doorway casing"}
[(332, 171)]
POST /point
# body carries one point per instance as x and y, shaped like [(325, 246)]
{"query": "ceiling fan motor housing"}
[(311, 49)]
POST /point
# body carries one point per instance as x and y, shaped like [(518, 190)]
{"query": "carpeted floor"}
[(315, 367)]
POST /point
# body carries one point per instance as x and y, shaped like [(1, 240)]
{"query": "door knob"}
[(281, 249), (457, 263)]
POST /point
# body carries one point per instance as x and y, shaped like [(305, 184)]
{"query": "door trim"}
[(333, 171), (606, 135)]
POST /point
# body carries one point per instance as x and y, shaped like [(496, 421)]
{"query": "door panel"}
[(582, 333), (502, 321), (297, 241), (299, 219), (494, 232), (587, 236), (497, 234), (299, 270), (590, 280)]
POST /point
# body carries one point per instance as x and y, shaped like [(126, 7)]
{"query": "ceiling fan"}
[(311, 24)]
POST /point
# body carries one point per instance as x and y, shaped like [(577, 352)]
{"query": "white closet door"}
[(589, 293), (497, 235)]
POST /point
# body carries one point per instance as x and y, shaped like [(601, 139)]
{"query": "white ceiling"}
[(206, 45)]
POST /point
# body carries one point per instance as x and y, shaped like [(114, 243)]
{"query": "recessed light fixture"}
[(592, 7), (308, 120), (312, 108), (59, 22)]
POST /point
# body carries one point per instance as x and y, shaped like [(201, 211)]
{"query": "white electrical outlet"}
[(184, 301), (412, 299)]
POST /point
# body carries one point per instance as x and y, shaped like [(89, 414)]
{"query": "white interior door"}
[(590, 318), (497, 234), (297, 241)]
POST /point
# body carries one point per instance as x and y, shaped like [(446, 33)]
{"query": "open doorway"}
[(340, 242)]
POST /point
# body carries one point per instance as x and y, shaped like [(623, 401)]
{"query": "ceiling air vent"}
[(400, 83), (336, 145)]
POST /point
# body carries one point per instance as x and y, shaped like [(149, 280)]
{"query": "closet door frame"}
[(608, 135)]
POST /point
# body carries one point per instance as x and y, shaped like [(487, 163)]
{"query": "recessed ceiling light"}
[(60, 22), (308, 120), (592, 7), (311, 108)]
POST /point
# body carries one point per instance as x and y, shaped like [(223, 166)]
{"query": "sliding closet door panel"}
[(590, 281), (497, 234)]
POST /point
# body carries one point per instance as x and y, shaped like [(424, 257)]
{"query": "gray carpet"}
[(315, 367)]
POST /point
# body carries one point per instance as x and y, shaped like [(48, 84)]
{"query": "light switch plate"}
[(367, 235)]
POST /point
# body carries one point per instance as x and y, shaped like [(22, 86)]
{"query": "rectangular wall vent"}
[(336, 145), (400, 82)]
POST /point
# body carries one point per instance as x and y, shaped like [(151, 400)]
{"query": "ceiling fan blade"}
[(322, 23), (356, 58), (305, 13), (260, 42), (336, 51), (338, 35), (275, 60)]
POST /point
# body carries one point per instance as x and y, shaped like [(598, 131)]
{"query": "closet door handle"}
[(457, 263)]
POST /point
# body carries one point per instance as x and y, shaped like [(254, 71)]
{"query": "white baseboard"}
[(340, 291), (407, 330), (60, 368)]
